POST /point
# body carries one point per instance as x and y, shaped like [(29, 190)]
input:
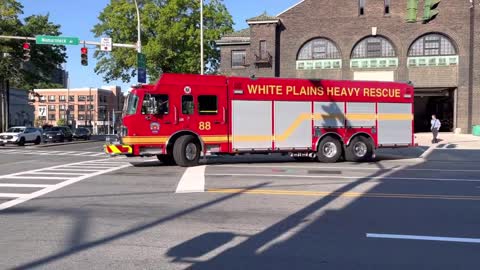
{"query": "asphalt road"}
[(252, 212)]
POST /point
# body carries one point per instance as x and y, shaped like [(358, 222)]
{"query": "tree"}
[(61, 122), (45, 59), (170, 36)]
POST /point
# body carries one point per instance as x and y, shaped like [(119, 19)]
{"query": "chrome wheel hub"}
[(360, 149), (191, 151), (329, 150)]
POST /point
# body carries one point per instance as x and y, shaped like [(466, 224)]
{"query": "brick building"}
[(83, 107), (370, 40)]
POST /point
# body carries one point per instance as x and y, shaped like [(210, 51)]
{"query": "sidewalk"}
[(449, 140)]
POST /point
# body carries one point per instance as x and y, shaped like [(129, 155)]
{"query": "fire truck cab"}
[(186, 116)]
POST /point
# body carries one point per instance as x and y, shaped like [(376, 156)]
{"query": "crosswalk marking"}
[(67, 174), (11, 195), (23, 185), (52, 153)]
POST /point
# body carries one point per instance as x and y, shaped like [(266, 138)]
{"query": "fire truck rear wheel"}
[(359, 149), (329, 150), (186, 151)]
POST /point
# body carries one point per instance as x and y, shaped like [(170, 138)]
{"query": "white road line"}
[(66, 153), (11, 195), (91, 166), (23, 185), (23, 176), (193, 180), (424, 238), (73, 170), (428, 152), (344, 177), (59, 173), (26, 197), (342, 168)]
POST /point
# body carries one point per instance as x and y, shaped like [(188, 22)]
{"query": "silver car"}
[(21, 135)]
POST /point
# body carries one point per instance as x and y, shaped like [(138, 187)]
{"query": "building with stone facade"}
[(98, 109), (370, 40)]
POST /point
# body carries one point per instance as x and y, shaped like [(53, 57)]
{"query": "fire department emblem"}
[(187, 90), (155, 127)]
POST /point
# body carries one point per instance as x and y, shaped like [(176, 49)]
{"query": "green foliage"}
[(61, 122), (45, 59), (170, 36), (39, 122)]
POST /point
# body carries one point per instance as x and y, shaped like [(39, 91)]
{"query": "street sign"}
[(42, 111), (142, 75), (141, 60), (57, 40), (106, 44)]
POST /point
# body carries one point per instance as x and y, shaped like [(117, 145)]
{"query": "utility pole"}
[(201, 38)]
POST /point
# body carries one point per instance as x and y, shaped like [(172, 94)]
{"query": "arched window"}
[(432, 50), (432, 45), (319, 48), (373, 47), (319, 53)]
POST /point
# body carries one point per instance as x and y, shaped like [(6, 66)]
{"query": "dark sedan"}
[(57, 134), (82, 133)]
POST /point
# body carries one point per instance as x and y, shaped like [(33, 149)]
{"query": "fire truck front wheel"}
[(186, 151), (359, 149), (329, 150)]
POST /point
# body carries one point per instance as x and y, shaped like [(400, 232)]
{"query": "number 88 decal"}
[(204, 126)]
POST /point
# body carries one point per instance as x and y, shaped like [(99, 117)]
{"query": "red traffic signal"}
[(26, 52), (84, 56)]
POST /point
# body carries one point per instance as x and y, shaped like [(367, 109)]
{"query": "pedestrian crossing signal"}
[(84, 56), (26, 52)]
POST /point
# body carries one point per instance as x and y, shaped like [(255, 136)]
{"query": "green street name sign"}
[(57, 40)]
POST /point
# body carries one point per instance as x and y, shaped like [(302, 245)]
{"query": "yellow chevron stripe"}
[(152, 139), (214, 138), (394, 116), (307, 117)]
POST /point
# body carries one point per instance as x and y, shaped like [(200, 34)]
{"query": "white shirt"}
[(436, 124)]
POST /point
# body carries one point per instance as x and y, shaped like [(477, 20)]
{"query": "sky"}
[(77, 19)]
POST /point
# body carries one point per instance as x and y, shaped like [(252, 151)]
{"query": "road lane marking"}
[(73, 169), (343, 168), (12, 195), (345, 177), (33, 177), (424, 238), (343, 194), (23, 185), (59, 173), (193, 180), (21, 198)]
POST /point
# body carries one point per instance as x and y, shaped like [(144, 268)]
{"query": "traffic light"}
[(412, 7), (84, 56), (26, 52), (429, 10)]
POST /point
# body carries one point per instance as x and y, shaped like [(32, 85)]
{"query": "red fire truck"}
[(184, 117)]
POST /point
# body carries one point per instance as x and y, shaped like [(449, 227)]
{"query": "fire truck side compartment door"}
[(293, 124), (395, 123), (252, 125)]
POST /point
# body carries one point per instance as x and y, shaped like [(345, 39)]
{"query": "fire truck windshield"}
[(132, 104)]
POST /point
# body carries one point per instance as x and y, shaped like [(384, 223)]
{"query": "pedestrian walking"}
[(435, 127)]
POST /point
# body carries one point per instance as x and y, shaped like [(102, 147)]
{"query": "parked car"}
[(82, 133), (21, 135), (58, 134)]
